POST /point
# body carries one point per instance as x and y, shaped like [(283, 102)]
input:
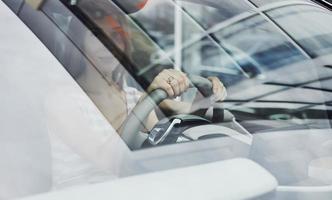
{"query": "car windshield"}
[(274, 59), (277, 70)]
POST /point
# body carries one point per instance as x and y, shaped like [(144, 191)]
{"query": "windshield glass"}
[(260, 57), (276, 69), (143, 86)]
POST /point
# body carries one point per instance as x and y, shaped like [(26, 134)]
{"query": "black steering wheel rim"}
[(143, 109)]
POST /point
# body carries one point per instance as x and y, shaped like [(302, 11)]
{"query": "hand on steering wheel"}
[(160, 90), (175, 83), (172, 81), (218, 88)]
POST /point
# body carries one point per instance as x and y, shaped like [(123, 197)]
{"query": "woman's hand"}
[(174, 82), (219, 90)]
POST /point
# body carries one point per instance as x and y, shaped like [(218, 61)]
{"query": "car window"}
[(276, 68), (267, 2), (107, 76), (314, 35), (200, 52), (218, 11), (255, 56), (258, 45)]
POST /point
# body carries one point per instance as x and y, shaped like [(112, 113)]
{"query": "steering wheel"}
[(142, 110)]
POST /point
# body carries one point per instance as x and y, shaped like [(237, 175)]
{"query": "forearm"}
[(152, 118)]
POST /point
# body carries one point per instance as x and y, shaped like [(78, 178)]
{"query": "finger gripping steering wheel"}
[(142, 110)]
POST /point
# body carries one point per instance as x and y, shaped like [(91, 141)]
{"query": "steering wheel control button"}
[(158, 135)]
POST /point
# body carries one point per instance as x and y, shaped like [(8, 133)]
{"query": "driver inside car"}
[(174, 82), (80, 156)]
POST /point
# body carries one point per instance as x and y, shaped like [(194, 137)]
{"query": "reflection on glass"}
[(200, 54), (157, 18), (266, 2), (274, 90), (126, 39), (256, 39), (313, 28), (212, 13)]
